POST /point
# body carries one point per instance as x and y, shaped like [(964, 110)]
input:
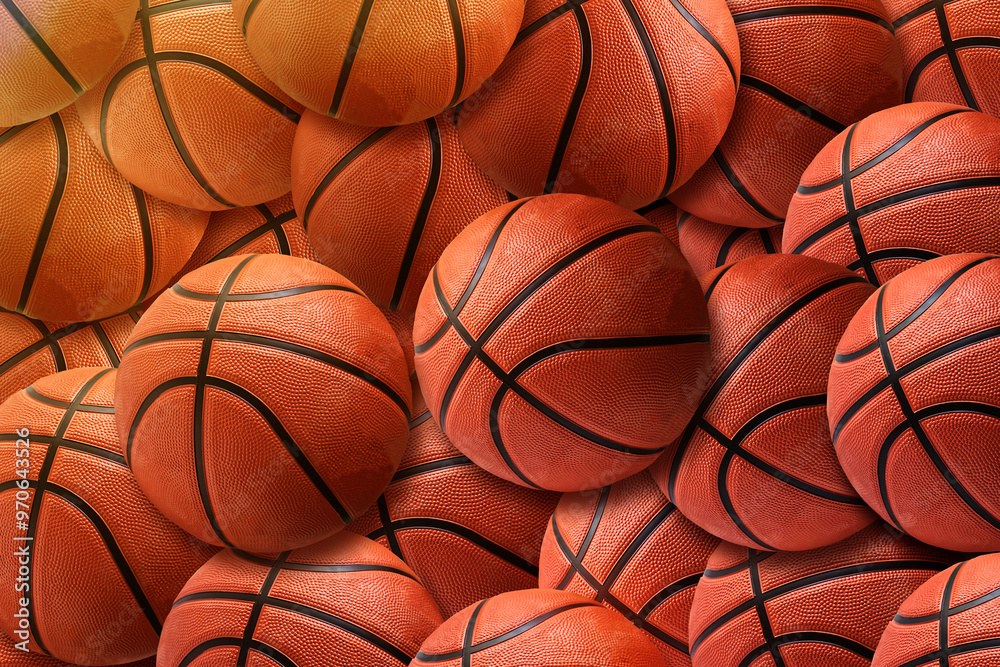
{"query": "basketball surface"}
[(755, 465), (11, 656), (628, 547), (186, 114), (238, 396), (340, 176), (531, 311), (542, 628), (708, 246), (922, 180), (80, 508), (952, 617), (79, 241), (542, 123), (317, 606), (663, 214), (914, 408)]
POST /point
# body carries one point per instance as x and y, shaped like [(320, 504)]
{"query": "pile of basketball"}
[(493, 333)]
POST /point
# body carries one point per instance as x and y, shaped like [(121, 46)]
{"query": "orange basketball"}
[(708, 246), (629, 547), (186, 114), (952, 619), (380, 205), (915, 405), (826, 607), (541, 628), (31, 349), (91, 566), (12, 656), (923, 181), (755, 465), (78, 241), (949, 51), (54, 51), (663, 214), (240, 399), (563, 320), (342, 602), (810, 68), (618, 99), (467, 534)]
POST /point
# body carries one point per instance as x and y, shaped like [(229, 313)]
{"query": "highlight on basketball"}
[(500, 333)]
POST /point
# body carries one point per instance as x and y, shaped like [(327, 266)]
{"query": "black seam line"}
[(352, 51), (109, 92), (342, 164), (765, 622), (145, 405), (903, 371), (917, 312), (715, 282), (476, 345), (818, 578), (440, 464), (519, 630), (420, 221), (546, 19), (49, 339), (792, 103), (722, 486), (272, 653), (456, 28), (258, 607), (668, 592), (852, 215), (942, 187), (739, 567), (960, 78), (42, 398), (182, 4), (281, 238), (249, 12), (727, 244), (417, 420), (204, 647), (12, 132), (945, 614), (913, 13), (317, 567), (741, 189), (388, 530), (656, 70), (134, 313), (881, 157), (480, 268), (469, 638), (682, 218), (51, 209), (914, 423), (146, 229), (809, 638), (958, 45), (273, 224), (259, 296), (765, 240), (595, 521), (960, 649), (930, 618), (813, 10), (109, 348), (576, 100), (655, 206), (277, 344), (32, 34), (709, 37), (895, 253), (741, 356)]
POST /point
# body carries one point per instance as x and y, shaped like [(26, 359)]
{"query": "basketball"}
[(379, 63), (31, 349), (12, 656), (531, 312), (186, 114), (54, 51), (79, 242), (238, 396), (70, 501), (663, 214), (312, 607), (601, 98), (628, 547), (708, 246), (915, 407), (923, 180), (949, 52), (340, 174), (823, 607), (484, 541), (951, 617), (757, 468), (541, 628)]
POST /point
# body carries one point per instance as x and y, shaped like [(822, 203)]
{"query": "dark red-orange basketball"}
[(80, 242), (922, 180), (627, 546), (821, 608), (12, 655), (541, 628), (708, 246), (951, 51), (262, 402), (618, 99), (381, 204), (914, 403), (755, 465), (663, 214), (953, 618), (343, 602), (566, 320), (91, 566)]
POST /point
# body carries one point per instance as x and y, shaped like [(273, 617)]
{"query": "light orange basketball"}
[(54, 51), (186, 114), (78, 241), (707, 245)]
